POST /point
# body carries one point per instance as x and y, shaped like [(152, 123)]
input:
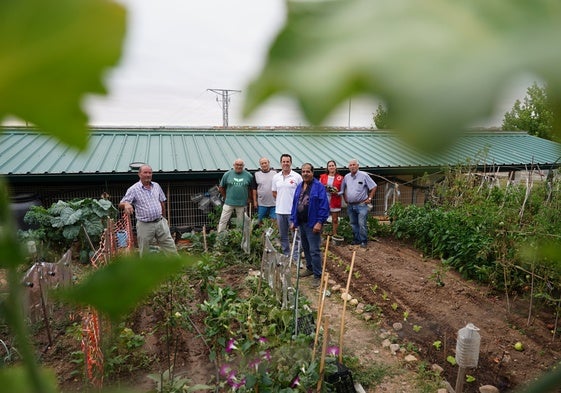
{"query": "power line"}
[(224, 98)]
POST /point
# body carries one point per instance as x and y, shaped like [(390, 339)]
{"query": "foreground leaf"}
[(16, 379), (118, 287), (439, 65), (53, 53)]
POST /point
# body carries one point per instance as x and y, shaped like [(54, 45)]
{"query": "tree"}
[(381, 118), (534, 115)]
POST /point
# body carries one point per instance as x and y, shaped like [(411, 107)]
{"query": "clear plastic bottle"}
[(467, 346)]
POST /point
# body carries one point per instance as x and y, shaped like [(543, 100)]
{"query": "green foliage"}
[(428, 381), (368, 374), (54, 52), (65, 222), (52, 55), (103, 289), (324, 55), (381, 118), (485, 231), (534, 115)]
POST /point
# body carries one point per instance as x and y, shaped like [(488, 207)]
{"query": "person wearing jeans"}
[(358, 189), (146, 200), (310, 210)]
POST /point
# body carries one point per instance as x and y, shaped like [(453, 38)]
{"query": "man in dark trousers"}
[(310, 210)]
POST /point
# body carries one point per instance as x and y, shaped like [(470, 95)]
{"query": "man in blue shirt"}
[(310, 210), (358, 189)]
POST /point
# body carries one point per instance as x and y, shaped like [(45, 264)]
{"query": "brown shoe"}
[(306, 273)]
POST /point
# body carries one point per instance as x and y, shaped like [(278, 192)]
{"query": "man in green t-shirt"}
[(234, 187)]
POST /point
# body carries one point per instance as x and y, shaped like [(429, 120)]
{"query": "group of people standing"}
[(298, 202), (301, 203)]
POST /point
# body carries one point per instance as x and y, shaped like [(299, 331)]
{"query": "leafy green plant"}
[(417, 328), (82, 220), (437, 345), (451, 359)]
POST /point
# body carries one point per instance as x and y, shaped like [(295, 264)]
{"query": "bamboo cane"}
[(321, 303), (325, 254), (323, 352), (344, 308)]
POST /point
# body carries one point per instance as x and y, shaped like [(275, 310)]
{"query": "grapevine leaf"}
[(53, 53), (439, 65)]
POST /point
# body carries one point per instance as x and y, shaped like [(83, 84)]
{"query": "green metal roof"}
[(180, 152)]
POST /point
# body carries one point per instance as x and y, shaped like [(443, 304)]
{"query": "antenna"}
[(224, 97)]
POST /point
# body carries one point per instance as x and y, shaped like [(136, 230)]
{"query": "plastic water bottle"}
[(467, 346)]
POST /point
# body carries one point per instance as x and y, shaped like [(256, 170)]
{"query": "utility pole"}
[(224, 98)]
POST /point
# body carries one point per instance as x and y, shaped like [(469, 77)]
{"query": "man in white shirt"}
[(283, 187)]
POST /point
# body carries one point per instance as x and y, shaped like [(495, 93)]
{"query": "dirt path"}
[(399, 284)]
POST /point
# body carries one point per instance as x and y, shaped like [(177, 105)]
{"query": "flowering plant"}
[(257, 366)]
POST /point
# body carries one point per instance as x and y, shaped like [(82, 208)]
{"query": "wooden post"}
[(321, 302), (204, 238), (460, 380), (323, 352), (344, 308)]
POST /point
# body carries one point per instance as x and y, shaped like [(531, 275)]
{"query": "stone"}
[(488, 389), (397, 326), (437, 369), (394, 348)]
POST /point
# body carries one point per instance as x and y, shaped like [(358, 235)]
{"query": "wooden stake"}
[(321, 302), (323, 352), (204, 238), (344, 308), (325, 254), (460, 380)]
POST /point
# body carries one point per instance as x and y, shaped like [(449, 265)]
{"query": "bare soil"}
[(399, 280), (394, 278)]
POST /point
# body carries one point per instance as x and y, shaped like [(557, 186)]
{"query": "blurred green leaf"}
[(53, 53), (438, 65), (11, 252), (16, 379), (117, 288), (548, 382)]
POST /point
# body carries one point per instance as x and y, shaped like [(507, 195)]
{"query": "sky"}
[(176, 50)]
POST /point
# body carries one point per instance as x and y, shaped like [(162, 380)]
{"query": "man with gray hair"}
[(262, 192), (146, 200), (234, 188), (358, 189)]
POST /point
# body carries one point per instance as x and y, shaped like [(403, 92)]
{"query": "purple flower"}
[(266, 355), (333, 351), (295, 382), (225, 370), (235, 383), (262, 340), (231, 345), (254, 363)]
